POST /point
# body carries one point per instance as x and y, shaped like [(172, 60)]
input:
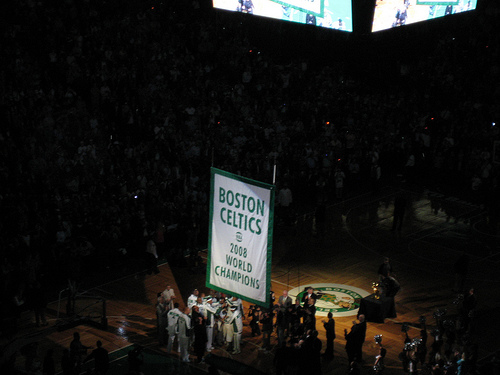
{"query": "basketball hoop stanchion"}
[(104, 317), (84, 309), (59, 302)]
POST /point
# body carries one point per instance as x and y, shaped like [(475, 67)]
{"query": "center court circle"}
[(341, 300)]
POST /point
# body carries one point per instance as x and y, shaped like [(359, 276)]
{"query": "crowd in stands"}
[(113, 113)]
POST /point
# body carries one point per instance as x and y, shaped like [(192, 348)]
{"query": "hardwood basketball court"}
[(436, 230)]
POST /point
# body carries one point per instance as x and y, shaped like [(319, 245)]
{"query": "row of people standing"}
[(73, 359), (206, 321), (297, 321), (297, 334), (216, 320), (292, 320)]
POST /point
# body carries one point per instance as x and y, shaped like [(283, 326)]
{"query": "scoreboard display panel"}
[(395, 13), (332, 14)]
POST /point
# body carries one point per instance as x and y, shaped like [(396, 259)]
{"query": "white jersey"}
[(168, 294), (222, 313), (173, 316), (238, 303), (209, 312), (183, 325), (214, 299), (236, 321), (192, 301)]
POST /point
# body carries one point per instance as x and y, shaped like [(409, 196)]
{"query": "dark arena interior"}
[(380, 145)]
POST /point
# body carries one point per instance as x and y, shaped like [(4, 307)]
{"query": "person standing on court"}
[(237, 324), (184, 333), (330, 336), (101, 359), (355, 339), (172, 317), (200, 337), (169, 296), (193, 298), (210, 310), (310, 314), (284, 301), (310, 294), (385, 269), (162, 319), (76, 351)]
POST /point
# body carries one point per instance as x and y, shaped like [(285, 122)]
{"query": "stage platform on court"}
[(436, 231)]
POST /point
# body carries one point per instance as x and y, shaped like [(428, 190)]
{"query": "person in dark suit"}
[(283, 317), (296, 312), (101, 359), (272, 300), (310, 314), (200, 338), (355, 339), (283, 325), (385, 269), (310, 294), (161, 318), (310, 350), (330, 336), (390, 286), (77, 350), (267, 328)]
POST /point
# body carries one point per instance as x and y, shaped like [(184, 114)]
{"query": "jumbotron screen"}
[(394, 13), (332, 14)]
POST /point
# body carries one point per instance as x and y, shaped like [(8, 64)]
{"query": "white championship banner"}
[(240, 237)]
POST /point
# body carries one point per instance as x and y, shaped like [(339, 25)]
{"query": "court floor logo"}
[(340, 300)]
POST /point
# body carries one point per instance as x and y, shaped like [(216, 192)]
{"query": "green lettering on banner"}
[(239, 219), (222, 195), (230, 198), (239, 264), (238, 233), (222, 215), (249, 204), (260, 207)]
